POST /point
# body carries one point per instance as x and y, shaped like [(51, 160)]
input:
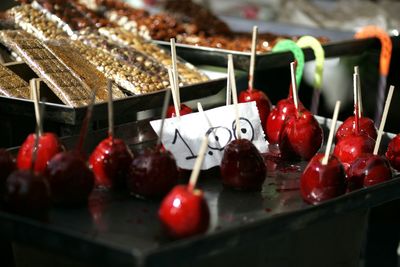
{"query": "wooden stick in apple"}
[(359, 97), (86, 122), (173, 90), (294, 86), (229, 84), (383, 121), (197, 165), (331, 133), (235, 98), (34, 87), (253, 58), (175, 70), (111, 158), (356, 103), (110, 110), (371, 169), (164, 111), (39, 110)]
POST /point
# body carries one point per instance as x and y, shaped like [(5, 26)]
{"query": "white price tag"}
[(182, 136)]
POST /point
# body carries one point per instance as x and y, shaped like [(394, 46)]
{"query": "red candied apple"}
[(27, 194), (184, 212), (7, 166), (71, 181), (48, 146), (393, 152), (262, 102), (277, 117), (152, 173), (183, 111), (349, 126), (353, 146), (368, 170), (320, 182), (110, 162), (242, 166), (301, 137)]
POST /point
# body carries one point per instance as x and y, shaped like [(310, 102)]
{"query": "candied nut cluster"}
[(57, 76), (34, 21), (188, 74), (128, 77), (12, 85)]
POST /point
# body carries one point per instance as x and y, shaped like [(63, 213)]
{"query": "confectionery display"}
[(371, 169), (321, 182), (49, 145), (110, 162), (242, 166), (186, 21), (368, 170), (324, 177), (393, 152), (12, 85), (70, 179), (164, 180), (27, 194), (184, 211), (152, 173), (300, 135), (74, 49)]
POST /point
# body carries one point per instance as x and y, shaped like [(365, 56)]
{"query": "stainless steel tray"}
[(341, 44)]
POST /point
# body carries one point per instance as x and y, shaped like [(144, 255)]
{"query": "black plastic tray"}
[(274, 226)]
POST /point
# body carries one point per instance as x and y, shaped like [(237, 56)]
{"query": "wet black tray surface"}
[(116, 229)]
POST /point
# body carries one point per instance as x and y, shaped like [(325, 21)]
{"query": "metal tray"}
[(341, 44), (17, 115), (273, 227)]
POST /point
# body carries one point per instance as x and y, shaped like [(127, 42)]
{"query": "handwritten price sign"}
[(182, 136)]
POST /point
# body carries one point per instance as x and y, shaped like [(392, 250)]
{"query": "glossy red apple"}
[(348, 127), (262, 102), (7, 166), (71, 181), (152, 173), (277, 117), (183, 111), (184, 213), (348, 149), (48, 146), (301, 137), (368, 170), (320, 182), (27, 194), (242, 166), (110, 162), (393, 152)]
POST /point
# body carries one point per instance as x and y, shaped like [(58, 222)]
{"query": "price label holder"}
[(182, 136)]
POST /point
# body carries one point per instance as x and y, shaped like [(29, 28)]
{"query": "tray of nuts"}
[(204, 38)]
